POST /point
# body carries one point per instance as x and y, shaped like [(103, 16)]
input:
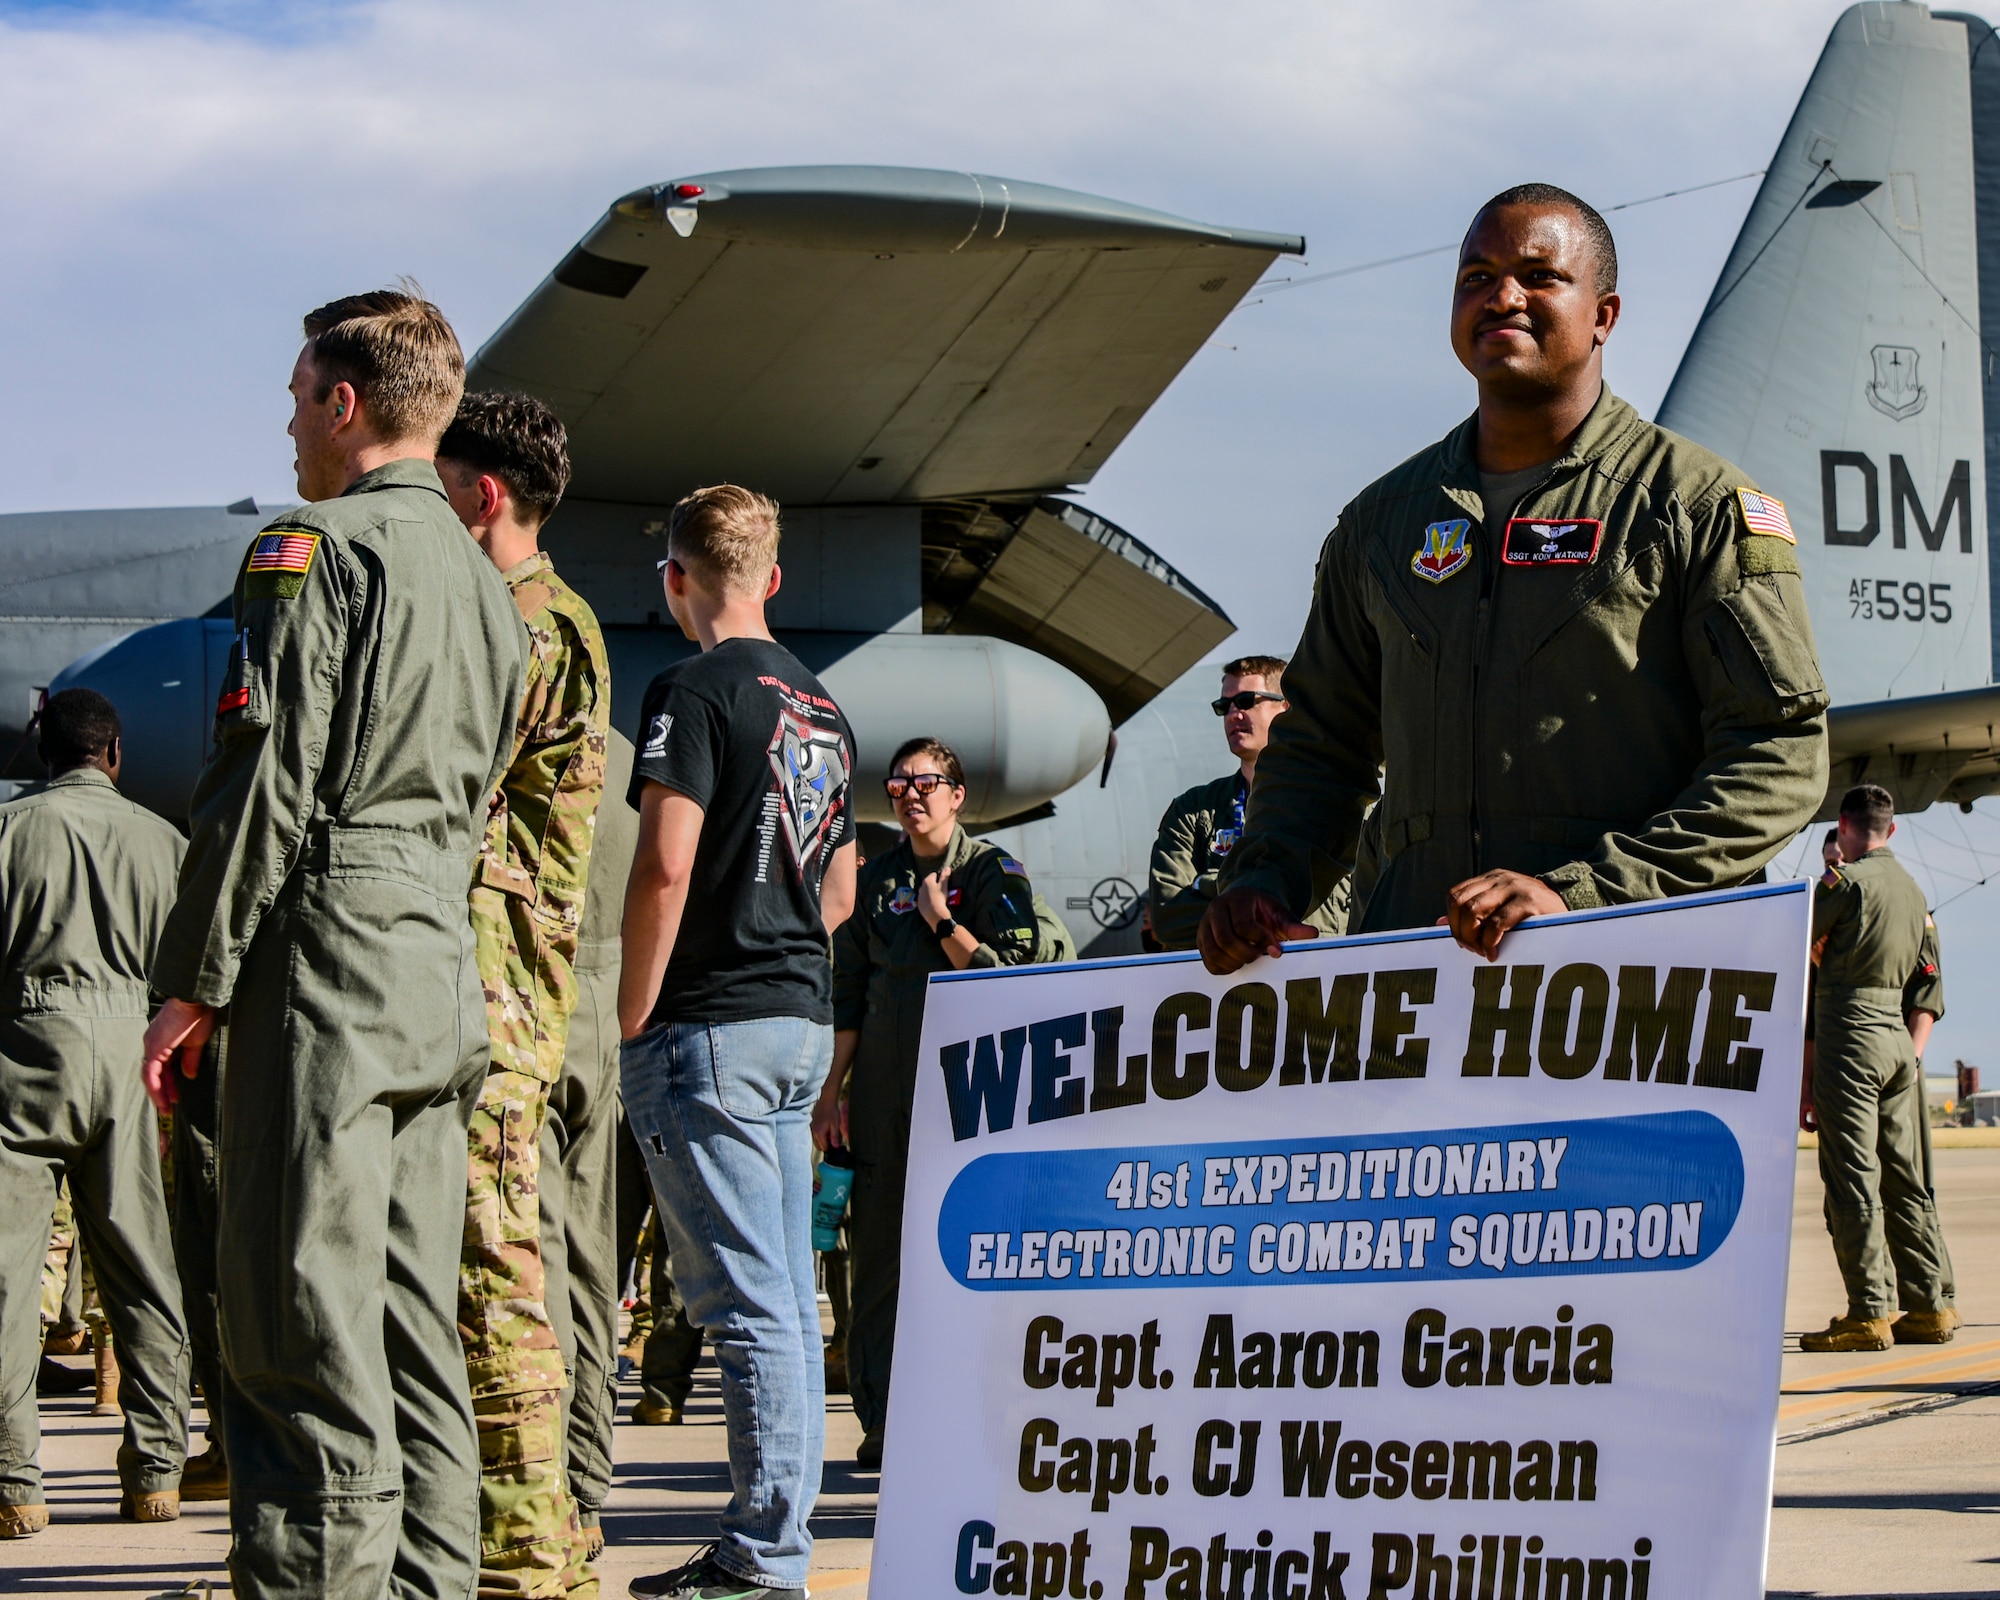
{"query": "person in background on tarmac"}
[(939, 900), (745, 865), (667, 1344), (1202, 826), (1870, 914), (582, 1165), (1568, 648), (504, 462), (1923, 1010), (86, 880), (367, 714)]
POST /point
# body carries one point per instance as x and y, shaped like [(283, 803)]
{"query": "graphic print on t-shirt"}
[(810, 764)]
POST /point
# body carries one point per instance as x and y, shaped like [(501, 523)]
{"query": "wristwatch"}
[(944, 928)]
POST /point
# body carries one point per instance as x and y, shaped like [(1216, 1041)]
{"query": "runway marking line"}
[(1876, 1368), (1860, 1398)]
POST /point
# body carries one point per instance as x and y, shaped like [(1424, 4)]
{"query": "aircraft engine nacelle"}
[(1025, 727)]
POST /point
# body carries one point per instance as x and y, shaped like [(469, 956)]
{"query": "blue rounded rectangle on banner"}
[(1649, 1193)]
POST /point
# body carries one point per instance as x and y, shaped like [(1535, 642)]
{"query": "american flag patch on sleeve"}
[(288, 551), (1762, 514)]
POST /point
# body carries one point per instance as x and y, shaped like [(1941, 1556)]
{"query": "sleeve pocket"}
[(244, 705), (1765, 644)]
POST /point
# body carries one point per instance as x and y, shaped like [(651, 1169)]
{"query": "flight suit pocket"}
[(244, 705), (1765, 643)]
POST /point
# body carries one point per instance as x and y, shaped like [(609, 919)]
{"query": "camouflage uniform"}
[(527, 908)]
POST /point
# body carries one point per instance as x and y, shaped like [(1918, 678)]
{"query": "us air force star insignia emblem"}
[(1445, 549)]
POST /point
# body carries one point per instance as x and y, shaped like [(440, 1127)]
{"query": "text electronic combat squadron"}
[(919, 363)]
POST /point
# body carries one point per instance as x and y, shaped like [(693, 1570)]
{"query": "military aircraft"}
[(924, 366), (919, 365)]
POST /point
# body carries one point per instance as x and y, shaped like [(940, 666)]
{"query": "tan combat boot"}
[(206, 1477), (1926, 1327), (653, 1413), (150, 1505), (1848, 1333), (107, 1383), (17, 1522), (58, 1343)]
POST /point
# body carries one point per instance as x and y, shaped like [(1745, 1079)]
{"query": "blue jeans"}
[(723, 1115)]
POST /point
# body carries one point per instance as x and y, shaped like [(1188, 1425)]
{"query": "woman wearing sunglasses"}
[(938, 901)]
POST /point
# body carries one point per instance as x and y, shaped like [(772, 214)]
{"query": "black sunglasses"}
[(925, 783), (1241, 702)]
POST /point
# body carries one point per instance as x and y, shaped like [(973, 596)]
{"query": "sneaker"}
[(651, 1413), (1848, 1333), (868, 1454), (206, 1477), (703, 1579), (1926, 1327)]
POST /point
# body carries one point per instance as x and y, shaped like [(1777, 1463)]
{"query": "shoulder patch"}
[(1764, 514), (1009, 865), (1759, 554), (278, 564)]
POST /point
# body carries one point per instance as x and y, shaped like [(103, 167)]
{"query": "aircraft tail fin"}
[(1847, 353)]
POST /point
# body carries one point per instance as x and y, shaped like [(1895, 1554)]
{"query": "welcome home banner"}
[(1372, 1270)]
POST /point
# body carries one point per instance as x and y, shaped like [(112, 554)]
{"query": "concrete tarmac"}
[(1888, 1466)]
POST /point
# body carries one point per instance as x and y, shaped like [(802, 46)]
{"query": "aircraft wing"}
[(865, 334), (1930, 748)]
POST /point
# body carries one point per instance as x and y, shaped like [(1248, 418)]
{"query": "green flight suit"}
[(579, 1155), (1197, 833), (196, 1147), (366, 715), (1925, 992), (527, 909), (883, 957), (86, 878), (1642, 717), (1879, 1212)]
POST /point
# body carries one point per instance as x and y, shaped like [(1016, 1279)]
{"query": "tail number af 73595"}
[(1886, 600)]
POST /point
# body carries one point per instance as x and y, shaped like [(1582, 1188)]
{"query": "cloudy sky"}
[(180, 180)]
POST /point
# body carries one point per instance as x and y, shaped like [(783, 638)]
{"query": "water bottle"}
[(831, 1186)]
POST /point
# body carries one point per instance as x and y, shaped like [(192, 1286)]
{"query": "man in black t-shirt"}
[(725, 1004)]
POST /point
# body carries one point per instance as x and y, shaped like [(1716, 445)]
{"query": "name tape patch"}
[(1541, 542)]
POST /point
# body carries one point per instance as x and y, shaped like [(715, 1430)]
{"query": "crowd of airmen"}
[(1559, 660)]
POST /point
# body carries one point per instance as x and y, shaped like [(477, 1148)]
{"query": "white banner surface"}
[(1374, 1270)]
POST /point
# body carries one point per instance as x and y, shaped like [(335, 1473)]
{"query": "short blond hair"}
[(727, 536), (1270, 668), (400, 355)]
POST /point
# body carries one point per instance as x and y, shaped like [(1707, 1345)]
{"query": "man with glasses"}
[(1202, 826)]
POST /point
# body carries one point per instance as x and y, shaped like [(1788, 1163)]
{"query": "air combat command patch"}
[(1445, 549)]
